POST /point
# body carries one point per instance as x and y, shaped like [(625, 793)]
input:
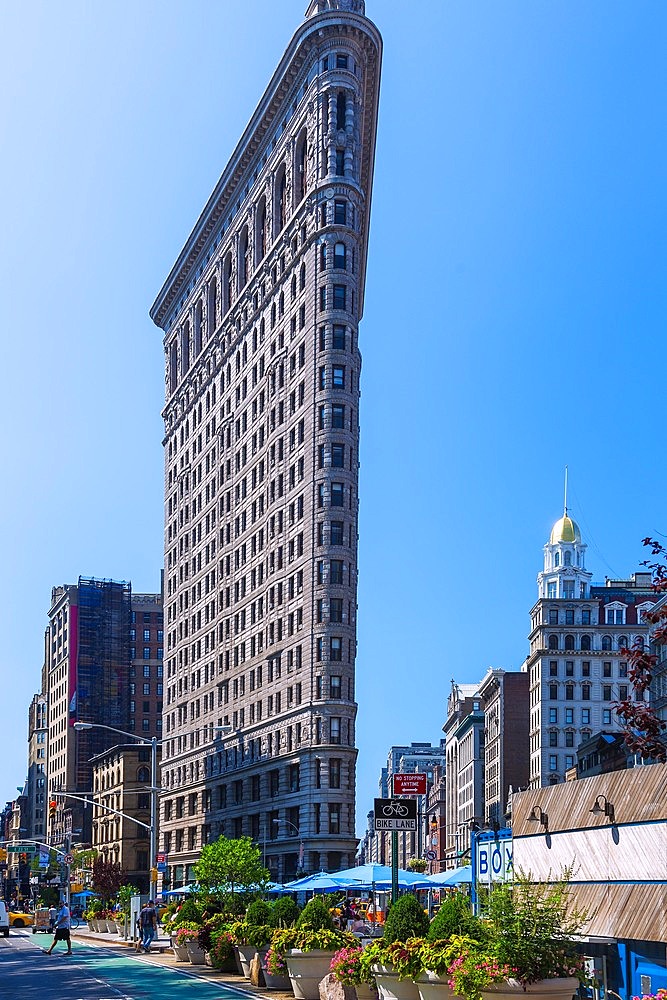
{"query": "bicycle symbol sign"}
[(395, 814)]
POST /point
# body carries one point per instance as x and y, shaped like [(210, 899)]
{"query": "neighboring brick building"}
[(261, 316), (506, 717)]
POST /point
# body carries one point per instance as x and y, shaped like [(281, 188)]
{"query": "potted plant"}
[(530, 946), (252, 936), (221, 953), (396, 960), (284, 912), (308, 948), (453, 922), (347, 968), (183, 935)]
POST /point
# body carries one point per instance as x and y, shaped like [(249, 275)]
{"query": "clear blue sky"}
[(515, 311)]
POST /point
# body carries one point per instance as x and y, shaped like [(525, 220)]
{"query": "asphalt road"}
[(93, 973)]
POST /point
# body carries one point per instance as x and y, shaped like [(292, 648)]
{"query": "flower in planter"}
[(185, 934), (404, 957), (471, 973), (275, 963), (348, 969), (221, 949)]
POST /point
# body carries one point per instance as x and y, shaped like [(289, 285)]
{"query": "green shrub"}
[(188, 913), (455, 916), (258, 913), (315, 916), (285, 912), (405, 919)]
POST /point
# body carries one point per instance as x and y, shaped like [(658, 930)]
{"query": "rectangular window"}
[(569, 716), (569, 616), (336, 648), (623, 692), (336, 567), (336, 610), (553, 616), (334, 730), (569, 738), (553, 668), (553, 692), (337, 495), (338, 380), (606, 692), (585, 692), (606, 669), (606, 716), (338, 338), (569, 692), (585, 617), (569, 668), (553, 739), (338, 456), (334, 773), (553, 715), (340, 213), (553, 762), (336, 687), (340, 296), (586, 668), (338, 416), (323, 298), (585, 716), (341, 61), (340, 162)]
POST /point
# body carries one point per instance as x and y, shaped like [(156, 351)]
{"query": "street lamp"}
[(286, 822), (152, 743)]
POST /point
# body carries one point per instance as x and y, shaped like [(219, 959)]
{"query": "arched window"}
[(244, 258), (227, 284), (556, 558), (281, 200), (260, 231), (185, 348), (143, 774), (553, 642), (606, 643), (212, 306), (586, 642), (198, 316), (567, 558), (622, 642), (302, 277), (569, 642)]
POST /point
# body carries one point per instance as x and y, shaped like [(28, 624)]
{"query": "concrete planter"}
[(390, 987), (432, 987), (281, 983), (246, 953), (196, 954), (181, 952), (306, 971), (545, 989), (366, 992)]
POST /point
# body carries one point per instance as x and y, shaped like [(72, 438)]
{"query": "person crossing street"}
[(62, 929)]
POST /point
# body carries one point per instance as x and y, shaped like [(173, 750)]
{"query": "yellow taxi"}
[(17, 919)]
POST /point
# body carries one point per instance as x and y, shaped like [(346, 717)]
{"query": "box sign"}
[(395, 814), (409, 784), (495, 861)]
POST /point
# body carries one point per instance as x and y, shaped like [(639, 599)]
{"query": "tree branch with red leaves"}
[(643, 730)]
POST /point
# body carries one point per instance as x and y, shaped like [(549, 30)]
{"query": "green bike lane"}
[(100, 973)]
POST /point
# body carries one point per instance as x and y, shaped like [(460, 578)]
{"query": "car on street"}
[(4, 919), (17, 919)]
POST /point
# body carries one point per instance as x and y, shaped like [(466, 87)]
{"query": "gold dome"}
[(565, 530)]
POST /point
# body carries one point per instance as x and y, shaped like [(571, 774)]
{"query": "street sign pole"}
[(394, 865)]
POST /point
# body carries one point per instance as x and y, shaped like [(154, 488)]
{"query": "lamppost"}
[(286, 822), (152, 743)]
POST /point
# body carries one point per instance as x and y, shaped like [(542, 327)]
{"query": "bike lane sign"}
[(395, 814)]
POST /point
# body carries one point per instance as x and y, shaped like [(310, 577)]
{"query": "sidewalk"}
[(162, 954)]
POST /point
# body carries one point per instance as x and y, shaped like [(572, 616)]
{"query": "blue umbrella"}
[(379, 877), (322, 882), (459, 876)]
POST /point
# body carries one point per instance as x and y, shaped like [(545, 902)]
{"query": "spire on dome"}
[(322, 6)]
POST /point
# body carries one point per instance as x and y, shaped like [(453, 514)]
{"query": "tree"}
[(108, 876), (644, 731), (230, 864)]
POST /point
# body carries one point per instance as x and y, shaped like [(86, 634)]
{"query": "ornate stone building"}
[(260, 315), (577, 669)]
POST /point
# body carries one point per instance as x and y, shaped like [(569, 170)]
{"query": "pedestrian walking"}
[(62, 929), (148, 925)]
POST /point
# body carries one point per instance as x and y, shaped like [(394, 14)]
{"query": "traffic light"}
[(53, 807), (23, 858), (3, 854), (154, 874)]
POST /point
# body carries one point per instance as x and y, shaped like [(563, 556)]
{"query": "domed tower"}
[(564, 574)]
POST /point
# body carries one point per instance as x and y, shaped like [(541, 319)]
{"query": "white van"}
[(4, 920)]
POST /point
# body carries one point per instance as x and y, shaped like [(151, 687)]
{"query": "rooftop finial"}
[(321, 6), (565, 500)]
